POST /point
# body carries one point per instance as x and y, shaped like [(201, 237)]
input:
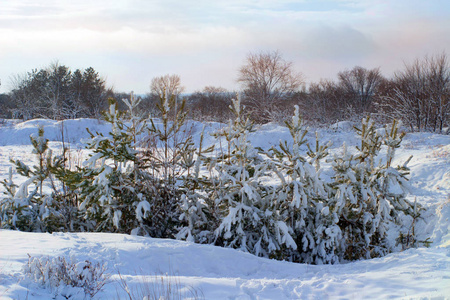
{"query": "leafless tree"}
[(25, 96), (167, 84), (210, 104), (420, 94), (325, 103), (267, 79), (439, 81), (360, 86), (56, 90)]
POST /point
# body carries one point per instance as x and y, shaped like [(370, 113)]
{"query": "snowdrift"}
[(229, 274)]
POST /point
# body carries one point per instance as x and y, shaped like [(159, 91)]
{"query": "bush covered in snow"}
[(148, 178), (28, 207), (65, 277)]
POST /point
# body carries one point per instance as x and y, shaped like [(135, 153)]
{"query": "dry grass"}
[(440, 151), (157, 287), (58, 271)]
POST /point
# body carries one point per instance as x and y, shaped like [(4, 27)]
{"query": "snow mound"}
[(228, 274), (343, 126), (73, 131), (225, 273)]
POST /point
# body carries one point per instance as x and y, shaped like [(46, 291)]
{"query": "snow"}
[(219, 273)]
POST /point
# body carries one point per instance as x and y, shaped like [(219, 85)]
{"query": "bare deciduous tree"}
[(25, 96), (360, 86), (439, 81), (211, 104), (55, 90), (267, 79), (167, 84), (420, 94), (325, 103)]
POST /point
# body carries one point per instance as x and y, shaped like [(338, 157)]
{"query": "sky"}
[(205, 42)]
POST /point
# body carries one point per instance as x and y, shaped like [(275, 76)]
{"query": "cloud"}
[(205, 42)]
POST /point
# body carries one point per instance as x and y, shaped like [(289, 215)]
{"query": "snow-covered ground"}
[(218, 273)]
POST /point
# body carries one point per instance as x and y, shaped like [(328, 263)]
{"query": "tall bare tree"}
[(420, 94), (360, 86), (267, 79), (25, 95), (56, 90), (167, 84), (439, 81)]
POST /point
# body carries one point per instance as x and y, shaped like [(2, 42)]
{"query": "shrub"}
[(57, 272), (29, 207), (303, 198), (369, 193)]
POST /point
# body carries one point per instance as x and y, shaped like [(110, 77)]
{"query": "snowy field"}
[(217, 273)]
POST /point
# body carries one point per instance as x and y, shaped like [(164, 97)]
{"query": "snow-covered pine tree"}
[(368, 192), (131, 182), (248, 219), (64, 195), (136, 174), (105, 180), (31, 210), (303, 198), (197, 220), (167, 157), (392, 181), (10, 208)]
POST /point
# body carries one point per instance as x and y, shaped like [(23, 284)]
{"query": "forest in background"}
[(418, 94)]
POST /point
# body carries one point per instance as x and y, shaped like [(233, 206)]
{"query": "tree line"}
[(56, 92), (418, 94)]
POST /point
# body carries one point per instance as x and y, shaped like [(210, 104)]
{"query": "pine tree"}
[(303, 197), (105, 182), (247, 218), (145, 178), (10, 208), (167, 157), (31, 210), (197, 219), (368, 192)]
